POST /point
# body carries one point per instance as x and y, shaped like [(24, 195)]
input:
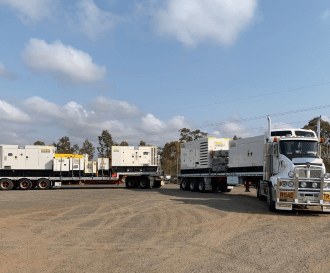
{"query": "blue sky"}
[(145, 69)]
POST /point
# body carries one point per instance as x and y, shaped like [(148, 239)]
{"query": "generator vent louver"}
[(204, 156)]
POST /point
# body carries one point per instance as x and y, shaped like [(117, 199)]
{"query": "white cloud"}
[(31, 10), (93, 21), (197, 21), (63, 62), (10, 113), (6, 74), (324, 15), (123, 120)]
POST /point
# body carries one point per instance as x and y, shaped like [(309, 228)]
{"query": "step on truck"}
[(285, 165), (28, 167)]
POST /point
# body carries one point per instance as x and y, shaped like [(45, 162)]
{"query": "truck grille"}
[(313, 173)]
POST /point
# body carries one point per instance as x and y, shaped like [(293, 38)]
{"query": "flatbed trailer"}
[(142, 180)]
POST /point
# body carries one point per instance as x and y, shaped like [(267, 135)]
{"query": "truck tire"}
[(24, 184), (144, 183), (6, 184), (201, 185), (271, 203), (184, 184), (259, 195), (43, 184), (131, 183), (193, 184)]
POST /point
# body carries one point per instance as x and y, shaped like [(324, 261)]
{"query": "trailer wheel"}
[(6, 184), (201, 186), (271, 203), (193, 185), (144, 183), (24, 184), (43, 184), (131, 183), (184, 184)]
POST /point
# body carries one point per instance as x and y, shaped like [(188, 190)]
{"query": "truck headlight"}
[(314, 185), (291, 184), (326, 175), (303, 184), (284, 183), (291, 174)]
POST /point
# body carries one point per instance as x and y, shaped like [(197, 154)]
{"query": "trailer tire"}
[(43, 184), (271, 203), (184, 184), (6, 184), (193, 184), (24, 184), (201, 186), (131, 183), (144, 183)]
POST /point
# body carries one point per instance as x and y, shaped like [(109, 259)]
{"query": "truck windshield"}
[(298, 148)]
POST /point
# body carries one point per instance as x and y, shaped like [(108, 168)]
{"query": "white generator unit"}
[(134, 159), (196, 156), (246, 152), (29, 157), (61, 164)]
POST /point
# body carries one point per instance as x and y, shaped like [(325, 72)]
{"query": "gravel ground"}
[(113, 229)]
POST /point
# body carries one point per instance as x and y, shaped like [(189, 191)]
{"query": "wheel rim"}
[(143, 183), (200, 186), (24, 184), (43, 184), (130, 183), (192, 185), (184, 184), (5, 185)]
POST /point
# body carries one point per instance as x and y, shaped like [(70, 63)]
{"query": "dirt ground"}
[(158, 230)]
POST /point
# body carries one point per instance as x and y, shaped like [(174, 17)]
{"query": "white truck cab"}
[(294, 173)]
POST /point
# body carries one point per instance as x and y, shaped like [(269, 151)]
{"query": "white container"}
[(29, 157), (246, 152), (103, 164), (61, 164), (134, 156), (198, 154)]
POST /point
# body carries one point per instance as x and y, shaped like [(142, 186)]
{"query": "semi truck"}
[(284, 164), (39, 167)]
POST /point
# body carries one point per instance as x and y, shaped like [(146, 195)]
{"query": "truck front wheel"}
[(271, 203)]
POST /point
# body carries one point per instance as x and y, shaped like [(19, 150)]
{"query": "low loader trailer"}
[(285, 165)]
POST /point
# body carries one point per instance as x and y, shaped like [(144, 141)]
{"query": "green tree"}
[(324, 133), (142, 143), (88, 148), (170, 158), (75, 149), (63, 146), (325, 127), (123, 143), (186, 135), (39, 143), (105, 143)]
